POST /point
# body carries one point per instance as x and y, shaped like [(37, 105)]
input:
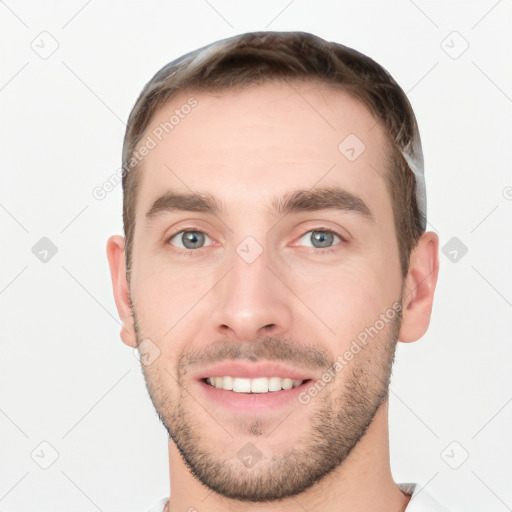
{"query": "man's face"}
[(252, 285)]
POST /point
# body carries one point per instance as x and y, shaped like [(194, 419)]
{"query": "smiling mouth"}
[(258, 385)]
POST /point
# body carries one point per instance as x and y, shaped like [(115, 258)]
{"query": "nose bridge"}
[(250, 300)]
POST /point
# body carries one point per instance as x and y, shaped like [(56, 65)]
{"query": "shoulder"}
[(158, 506), (420, 501)]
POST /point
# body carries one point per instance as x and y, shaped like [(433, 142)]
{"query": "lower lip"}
[(253, 402)]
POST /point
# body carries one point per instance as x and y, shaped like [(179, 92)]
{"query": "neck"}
[(362, 482)]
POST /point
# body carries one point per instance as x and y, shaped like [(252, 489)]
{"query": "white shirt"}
[(420, 501)]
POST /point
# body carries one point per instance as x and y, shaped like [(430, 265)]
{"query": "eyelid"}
[(187, 225), (343, 234), (181, 231), (322, 229)]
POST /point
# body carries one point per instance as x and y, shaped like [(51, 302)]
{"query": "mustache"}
[(272, 349)]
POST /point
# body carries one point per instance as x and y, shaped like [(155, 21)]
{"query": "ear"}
[(419, 288), (116, 261)]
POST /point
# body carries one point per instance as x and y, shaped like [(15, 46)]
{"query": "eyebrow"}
[(296, 201)]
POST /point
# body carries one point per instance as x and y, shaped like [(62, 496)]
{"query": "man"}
[(275, 251)]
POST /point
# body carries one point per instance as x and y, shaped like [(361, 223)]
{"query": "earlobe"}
[(420, 284), (121, 288)]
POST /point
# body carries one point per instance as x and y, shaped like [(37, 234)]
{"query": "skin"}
[(246, 147)]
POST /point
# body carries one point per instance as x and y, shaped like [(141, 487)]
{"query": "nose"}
[(252, 300)]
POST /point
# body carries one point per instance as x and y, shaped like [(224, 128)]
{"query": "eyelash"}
[(328, 250), (322, 229)]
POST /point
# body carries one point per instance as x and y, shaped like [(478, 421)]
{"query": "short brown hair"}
[(259, 57)]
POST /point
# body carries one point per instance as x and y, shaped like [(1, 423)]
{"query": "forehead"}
[(245, 145)]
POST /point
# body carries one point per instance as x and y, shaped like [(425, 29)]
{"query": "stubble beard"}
[(342, 414)]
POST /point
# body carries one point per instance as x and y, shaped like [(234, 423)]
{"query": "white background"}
[(65, 376)]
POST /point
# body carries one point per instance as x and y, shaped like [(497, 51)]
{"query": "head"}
[(236, 157), (250, 59)]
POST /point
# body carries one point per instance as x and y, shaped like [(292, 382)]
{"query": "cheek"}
[(346, 298), (168, 306), (165, 286)]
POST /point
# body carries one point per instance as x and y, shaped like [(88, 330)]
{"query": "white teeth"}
[(241, 385), (257, 385), (227, 382), (274, 384)]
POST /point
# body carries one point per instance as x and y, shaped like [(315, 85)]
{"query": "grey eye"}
[(320, 238), (189, 239)]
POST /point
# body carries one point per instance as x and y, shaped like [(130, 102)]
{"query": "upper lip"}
[(252, 371)]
